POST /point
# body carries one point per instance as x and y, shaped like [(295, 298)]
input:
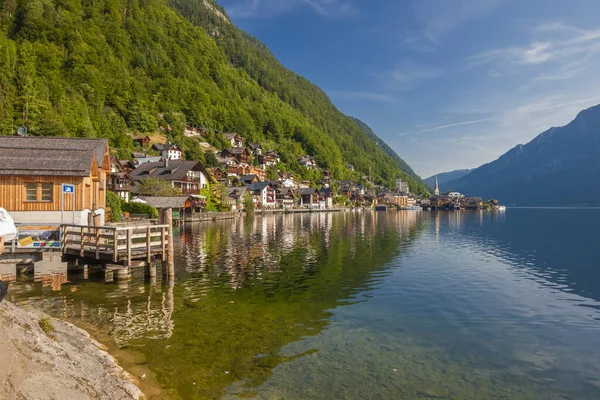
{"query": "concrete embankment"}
[(44, 358)]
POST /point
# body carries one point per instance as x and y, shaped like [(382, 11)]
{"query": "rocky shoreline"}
[(45, 358)]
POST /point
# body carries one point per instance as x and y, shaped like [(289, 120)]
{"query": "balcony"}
[(119, 187), (189, 191)]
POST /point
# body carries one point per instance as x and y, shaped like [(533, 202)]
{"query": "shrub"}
[(140, 208), (47, 327), (114, 202)]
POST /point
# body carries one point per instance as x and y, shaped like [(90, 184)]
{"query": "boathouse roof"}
[(36, 145), (36, 161)]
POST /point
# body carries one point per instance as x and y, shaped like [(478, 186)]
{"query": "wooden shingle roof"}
[(49, 162), (37, 145)]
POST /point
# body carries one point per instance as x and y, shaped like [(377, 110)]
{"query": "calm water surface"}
[(397, 305)]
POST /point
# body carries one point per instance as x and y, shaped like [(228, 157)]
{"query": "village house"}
[(286, 179), (255, 148), (401, 186), (219, 174), (187, 176), (239, 153), (119, 180), (234, 197), (285, 197), (148, 159), (182, 206), (266, 161), (169, 151), (263, 194), (228, 164), (309, 197), (127, 165), (249, 179), (235, 139), (34, 169), (326, 197), (308, 162), (142, 141), (274, 155)]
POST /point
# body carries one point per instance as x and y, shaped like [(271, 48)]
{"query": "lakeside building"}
[(33, 170), (187, 176)]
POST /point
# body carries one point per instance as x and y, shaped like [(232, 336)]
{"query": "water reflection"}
[(360, 305), (244, 289)]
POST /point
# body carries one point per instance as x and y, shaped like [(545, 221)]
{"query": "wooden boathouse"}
[(33, 170)]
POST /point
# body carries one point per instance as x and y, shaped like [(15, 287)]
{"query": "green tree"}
[(210, 159), (156, 187)]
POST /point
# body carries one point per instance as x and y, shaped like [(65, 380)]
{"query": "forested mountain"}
[(559, 167), (445, 177), (111, 67), (388, 150)]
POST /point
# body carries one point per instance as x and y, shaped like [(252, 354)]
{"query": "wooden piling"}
[(166, 218)]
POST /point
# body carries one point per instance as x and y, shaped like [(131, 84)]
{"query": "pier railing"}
[(120, 244)]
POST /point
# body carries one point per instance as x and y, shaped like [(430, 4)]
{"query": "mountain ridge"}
[(446, 177), (557, 167)]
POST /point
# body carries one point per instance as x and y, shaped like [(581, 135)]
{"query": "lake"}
[(356, 305)]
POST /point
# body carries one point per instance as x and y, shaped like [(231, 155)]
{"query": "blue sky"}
[(448, 84)]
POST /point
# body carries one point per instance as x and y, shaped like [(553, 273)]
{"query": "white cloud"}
[(438, 128), (407, 75), (439, 17), (559, 48), (361, 96), (271, 8)]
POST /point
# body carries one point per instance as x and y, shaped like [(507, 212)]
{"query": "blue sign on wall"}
[(66, 188)]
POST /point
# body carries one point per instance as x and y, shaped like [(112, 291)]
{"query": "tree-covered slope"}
[(107, 67), (388, 150)]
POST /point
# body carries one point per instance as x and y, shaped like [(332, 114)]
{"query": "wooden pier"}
[(113, 248), (117, 245)]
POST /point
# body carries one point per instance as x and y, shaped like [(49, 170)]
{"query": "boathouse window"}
[(38, 192)]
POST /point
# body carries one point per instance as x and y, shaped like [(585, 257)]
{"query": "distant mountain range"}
[(559, 167), (445, 177)]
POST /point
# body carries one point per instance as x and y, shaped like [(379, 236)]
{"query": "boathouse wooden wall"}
[(89, 191)]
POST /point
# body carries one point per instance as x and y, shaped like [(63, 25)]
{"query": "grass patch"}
[(47, 327)]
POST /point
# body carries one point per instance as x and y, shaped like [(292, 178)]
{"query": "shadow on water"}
[(244, 290)]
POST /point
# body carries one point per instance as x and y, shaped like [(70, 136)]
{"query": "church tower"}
[(436, 189)]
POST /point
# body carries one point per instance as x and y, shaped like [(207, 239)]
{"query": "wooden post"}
[(163, 243), (82, 242), (170, 256), (148, 245), (129, 246), (116, 246), (63, 239), (97, 243)]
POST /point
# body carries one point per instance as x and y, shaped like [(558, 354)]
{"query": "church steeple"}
[(436, 189)]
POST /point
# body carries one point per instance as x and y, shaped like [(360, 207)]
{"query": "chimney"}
[(166, 162)]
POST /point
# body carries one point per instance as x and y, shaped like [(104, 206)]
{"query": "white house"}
[(263, 193), (235, 139), (169, 151)]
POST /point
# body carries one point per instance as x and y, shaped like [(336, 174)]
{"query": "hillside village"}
[(239, 172)]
